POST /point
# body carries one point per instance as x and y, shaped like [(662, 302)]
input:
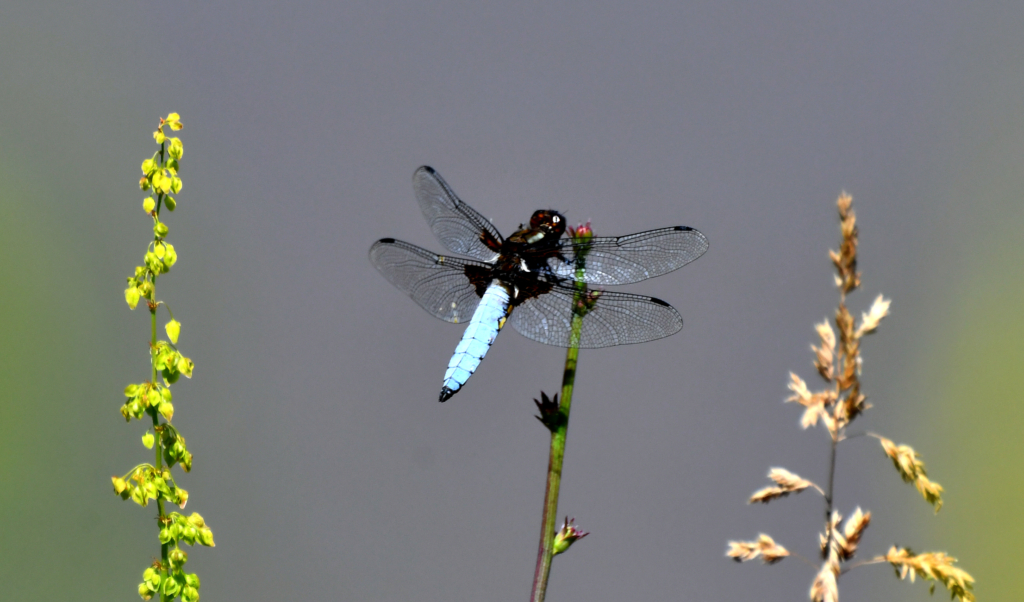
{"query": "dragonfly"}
[(532, 279)]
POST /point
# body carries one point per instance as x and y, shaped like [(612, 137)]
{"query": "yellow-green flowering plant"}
[(152, 399)]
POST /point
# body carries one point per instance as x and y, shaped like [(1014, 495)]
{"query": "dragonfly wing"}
[(616, 319), (457, 225), (614, 260), (437, 283)]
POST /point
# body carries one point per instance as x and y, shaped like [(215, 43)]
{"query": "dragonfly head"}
[(549, 221)]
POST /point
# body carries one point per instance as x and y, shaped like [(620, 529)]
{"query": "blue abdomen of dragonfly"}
[(487, 320)]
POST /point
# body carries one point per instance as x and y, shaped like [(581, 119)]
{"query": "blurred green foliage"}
[(52, 352), (978, 414)]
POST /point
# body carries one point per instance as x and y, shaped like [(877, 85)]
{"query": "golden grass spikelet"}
[(844, 202), (870, 319), (845, 259), (911, 468), (833, 527), (813, 402), (768, 494), (765, 547), (855, 526), (785, 484), (788, 480), (825, 588), (832, 425), (930, 490), (849, 346), (937, 566), (801, 393), (824, 356), (844, 322), (853, 405)]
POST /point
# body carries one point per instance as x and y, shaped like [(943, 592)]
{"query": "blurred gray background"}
[(323, 462)]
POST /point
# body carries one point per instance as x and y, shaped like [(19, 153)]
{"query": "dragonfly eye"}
[(556, 224)]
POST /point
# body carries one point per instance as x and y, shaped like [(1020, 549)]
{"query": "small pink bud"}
[(583, 231)]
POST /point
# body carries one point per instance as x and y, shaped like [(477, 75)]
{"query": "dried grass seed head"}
[(937, 566), (814, 403), (824, 356), (824, 588), (785, 484), (855, 526), (912, 470), (870, 319), (845, 259), (764, 547)]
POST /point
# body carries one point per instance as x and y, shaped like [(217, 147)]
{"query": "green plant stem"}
[(159, 443), (558, 435), (160, 195)]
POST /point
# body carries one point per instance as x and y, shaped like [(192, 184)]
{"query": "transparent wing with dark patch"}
[(457, 225), (437, 283), (616, 319), (626, 259)]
